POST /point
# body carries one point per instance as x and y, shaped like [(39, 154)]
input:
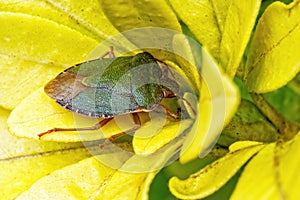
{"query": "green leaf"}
[(209, 179), (222, 27), (23, 161), (139, 14), (274, 58), (248, 124), (286, 100)]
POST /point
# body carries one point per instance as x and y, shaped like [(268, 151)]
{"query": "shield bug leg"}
[(172, 114), (190, 105), (95, 127), (110, 53), (137, 123)]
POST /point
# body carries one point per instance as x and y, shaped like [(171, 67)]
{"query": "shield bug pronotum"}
[(107, 87)]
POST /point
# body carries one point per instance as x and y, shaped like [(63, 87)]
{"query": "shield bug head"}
[(108, 87)]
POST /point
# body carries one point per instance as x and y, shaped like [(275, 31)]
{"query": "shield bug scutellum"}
[(88, 88)]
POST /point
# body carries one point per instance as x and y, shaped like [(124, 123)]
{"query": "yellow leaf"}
[(23, 161), (189, 57), (139, 14), (218, 100), (89, 15), (18, 174), (216, 106), (258, 178), (214, 176), (12, 146), (90, 179), (274, 58), (124, 185), (222, 27), (27, 122), (38, 52), (44, 9), (78, 181), (154, 135), (37, 39), (149, 25), (20, 77), (275, 170), (288, 166)]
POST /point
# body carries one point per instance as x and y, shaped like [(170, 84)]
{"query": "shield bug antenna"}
[(74, 87), (109, 53)]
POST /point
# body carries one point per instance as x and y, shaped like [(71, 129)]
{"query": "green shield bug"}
[(107, 87)]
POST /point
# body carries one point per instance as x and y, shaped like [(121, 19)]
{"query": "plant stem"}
[(285, 127)]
